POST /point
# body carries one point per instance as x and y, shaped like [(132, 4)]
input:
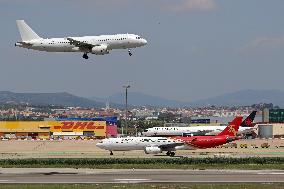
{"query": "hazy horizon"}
[(135, 93)]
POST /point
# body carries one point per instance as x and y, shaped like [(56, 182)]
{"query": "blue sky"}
[(196, 48)]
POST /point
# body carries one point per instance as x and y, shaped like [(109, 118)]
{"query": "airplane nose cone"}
[(100, 145), (144, 42)]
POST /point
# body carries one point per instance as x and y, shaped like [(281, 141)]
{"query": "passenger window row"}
[(112, 39), (66, 42)]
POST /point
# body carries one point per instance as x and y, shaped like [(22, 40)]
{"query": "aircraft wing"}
[(80, 44), (211, 133), (164, 147)]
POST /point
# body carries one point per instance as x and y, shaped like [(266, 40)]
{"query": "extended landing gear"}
[(85, 55), (111, 153), (129, 52), (170, 154)]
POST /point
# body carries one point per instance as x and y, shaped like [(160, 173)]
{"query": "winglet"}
[(232, 128), (248, 122)]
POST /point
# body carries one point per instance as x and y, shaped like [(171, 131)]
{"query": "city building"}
[(273, 115)]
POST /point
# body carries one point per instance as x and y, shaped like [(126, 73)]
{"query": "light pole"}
[(136, 130), (126, 111)]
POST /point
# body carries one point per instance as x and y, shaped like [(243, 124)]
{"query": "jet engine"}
[(100, 50), (153, 150)]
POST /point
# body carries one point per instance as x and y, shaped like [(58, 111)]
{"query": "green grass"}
[(146, 163), (147, 186)]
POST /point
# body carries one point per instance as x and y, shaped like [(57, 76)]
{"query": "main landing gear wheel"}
[(170, 154), (85, 55), (129, 52), (111, 153)]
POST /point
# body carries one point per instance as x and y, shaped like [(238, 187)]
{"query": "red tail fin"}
[(232, 128)]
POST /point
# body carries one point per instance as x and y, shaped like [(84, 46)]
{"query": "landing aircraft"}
[(246, 127), (98, 45), (155, 145)]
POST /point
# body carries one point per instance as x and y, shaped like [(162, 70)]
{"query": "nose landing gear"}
[(111, 153), (129, 52), (85, 55)]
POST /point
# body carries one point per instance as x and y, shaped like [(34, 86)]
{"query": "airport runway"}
[(14, 149), (66, 175)]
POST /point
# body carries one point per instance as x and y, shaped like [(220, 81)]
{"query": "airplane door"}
[(136, 142)]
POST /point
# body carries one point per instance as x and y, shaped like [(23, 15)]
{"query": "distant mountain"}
[(140, 99), (63, 99), (244, 97)]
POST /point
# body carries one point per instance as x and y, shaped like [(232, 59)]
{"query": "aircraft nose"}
[(100, 145), (144, 41)]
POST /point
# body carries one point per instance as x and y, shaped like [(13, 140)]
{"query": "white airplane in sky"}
[(98, 45)]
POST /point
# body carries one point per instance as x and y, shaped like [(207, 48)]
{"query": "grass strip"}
[(157, 163)]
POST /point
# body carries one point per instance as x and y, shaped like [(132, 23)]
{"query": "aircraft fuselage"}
[(119, 41)]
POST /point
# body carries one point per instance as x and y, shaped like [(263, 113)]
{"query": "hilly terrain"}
[(244, 97), (239, 98), (63, 99)]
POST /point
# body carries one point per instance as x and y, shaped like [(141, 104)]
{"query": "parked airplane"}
[(229, 134), (98, 45), (246, 127), (155, 145)]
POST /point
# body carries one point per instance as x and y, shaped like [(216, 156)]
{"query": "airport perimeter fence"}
[(108, 162)]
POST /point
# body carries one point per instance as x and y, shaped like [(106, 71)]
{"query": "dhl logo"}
[(70, 125), (232, 130)]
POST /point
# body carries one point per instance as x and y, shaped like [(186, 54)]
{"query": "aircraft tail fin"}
[(26, 32), (232, 128), (248, 122)]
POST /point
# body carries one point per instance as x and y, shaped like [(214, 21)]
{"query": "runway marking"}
[(270, 173), (131, 179), (6, 180)]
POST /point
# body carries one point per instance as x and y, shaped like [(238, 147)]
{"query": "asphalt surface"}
[(66, 175)]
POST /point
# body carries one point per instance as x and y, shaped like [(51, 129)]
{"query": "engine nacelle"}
[(100, 50), (153, 150)]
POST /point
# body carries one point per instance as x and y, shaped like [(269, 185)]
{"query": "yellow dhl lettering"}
[(68, 125)]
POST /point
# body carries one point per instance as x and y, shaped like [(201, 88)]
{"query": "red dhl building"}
[(52, 129)]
